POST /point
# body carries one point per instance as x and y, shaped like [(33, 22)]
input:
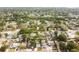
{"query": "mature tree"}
[(55, 35), (70, 45), (62, 37), (63, 46), (3, 48), (25, 31)]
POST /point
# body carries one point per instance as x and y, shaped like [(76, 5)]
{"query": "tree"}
[(70, 45), (23, 38), (38, 38), (25, 31), (55, 35), (62, 37), (77, 33), (63, 46), (3, 48), (22, 46), (63, 27), (33, 43)]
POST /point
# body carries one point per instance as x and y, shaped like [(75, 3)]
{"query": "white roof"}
[(71, 33)]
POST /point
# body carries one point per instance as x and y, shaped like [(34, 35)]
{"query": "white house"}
[(71, 33)]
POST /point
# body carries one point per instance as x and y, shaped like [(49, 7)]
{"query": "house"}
[(71, 33), (9, 34), (14, 45)]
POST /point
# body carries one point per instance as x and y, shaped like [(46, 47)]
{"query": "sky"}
[(39, 3)]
